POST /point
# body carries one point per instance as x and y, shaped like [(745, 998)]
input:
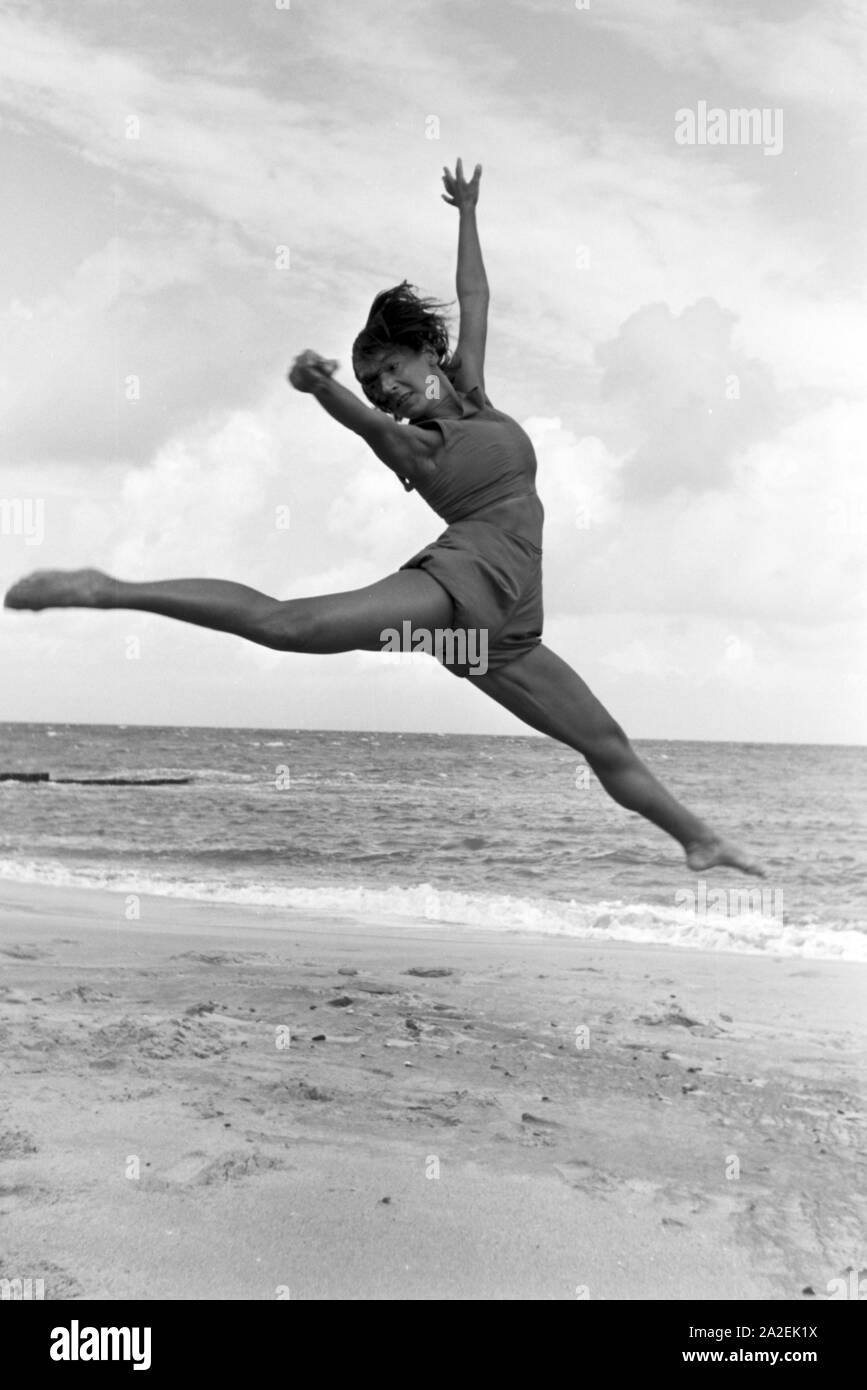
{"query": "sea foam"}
[(750, 932)]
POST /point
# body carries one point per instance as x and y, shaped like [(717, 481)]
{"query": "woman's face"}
[(403, 382)]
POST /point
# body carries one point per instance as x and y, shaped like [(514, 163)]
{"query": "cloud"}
[(816, 55), (133, 342), (679, 385), (782, 544)]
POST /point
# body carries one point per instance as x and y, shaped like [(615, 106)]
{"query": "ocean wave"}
[(750, 932)]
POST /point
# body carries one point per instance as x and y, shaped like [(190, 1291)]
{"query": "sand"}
[(214, 1102)]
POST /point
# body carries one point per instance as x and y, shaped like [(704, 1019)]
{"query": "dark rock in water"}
[(96, 781), (124, 781)]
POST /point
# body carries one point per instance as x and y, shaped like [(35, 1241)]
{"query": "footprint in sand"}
[(539, 1121), (674, 1017), (199, 1169), (581, 1174), (221, 957), (187, 1169), (537, 1130), (59, 1283), (156, 1039), (17, 1143), (308, 1092), (85, 993), (23, 1197), (426, 1113)]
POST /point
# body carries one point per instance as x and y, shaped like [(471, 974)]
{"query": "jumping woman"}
[(433, 425)]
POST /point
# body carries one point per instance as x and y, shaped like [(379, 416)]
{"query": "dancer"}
[(435, 428)]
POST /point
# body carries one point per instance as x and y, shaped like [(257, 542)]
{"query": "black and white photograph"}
[(433, 784)]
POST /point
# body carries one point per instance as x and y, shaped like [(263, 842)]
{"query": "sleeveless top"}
[(484, 470)]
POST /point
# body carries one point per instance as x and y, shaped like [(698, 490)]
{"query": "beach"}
[(219, 1101)]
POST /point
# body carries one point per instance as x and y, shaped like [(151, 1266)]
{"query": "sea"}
[(507, 834)]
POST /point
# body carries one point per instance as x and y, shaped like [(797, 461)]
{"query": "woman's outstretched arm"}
[(471, 280), (403, 451)]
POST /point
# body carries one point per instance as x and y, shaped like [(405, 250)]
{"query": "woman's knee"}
[(290, 626), (606, 746)]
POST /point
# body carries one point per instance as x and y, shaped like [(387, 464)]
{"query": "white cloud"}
[(817, 55)]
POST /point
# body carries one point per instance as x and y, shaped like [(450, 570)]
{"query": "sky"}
[(195, 192)]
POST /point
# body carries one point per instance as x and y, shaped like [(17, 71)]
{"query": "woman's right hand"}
[(459, 193), (310, 369)]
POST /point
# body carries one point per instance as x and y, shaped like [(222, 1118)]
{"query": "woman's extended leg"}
[(350, 621), (549, 696)]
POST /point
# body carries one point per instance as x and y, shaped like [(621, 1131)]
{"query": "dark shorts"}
[(495, 581)]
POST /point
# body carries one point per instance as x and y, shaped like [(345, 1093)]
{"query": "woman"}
[(476, 468)]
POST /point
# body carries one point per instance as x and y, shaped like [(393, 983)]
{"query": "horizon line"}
[(416, 733)]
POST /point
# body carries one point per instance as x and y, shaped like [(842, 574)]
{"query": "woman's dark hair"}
[(399, 317)]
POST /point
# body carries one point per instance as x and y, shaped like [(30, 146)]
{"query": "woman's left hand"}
[(309, 370), (459, 193)]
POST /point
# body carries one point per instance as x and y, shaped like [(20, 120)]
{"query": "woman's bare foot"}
[(60, 589), (716, 853)]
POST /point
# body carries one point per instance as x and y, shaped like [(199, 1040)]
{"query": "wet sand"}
[(218, 1102)]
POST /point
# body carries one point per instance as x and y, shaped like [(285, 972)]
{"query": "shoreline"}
[(713, 920), (217, 1101)]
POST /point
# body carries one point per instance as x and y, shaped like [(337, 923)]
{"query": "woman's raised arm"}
[(471, 283)]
